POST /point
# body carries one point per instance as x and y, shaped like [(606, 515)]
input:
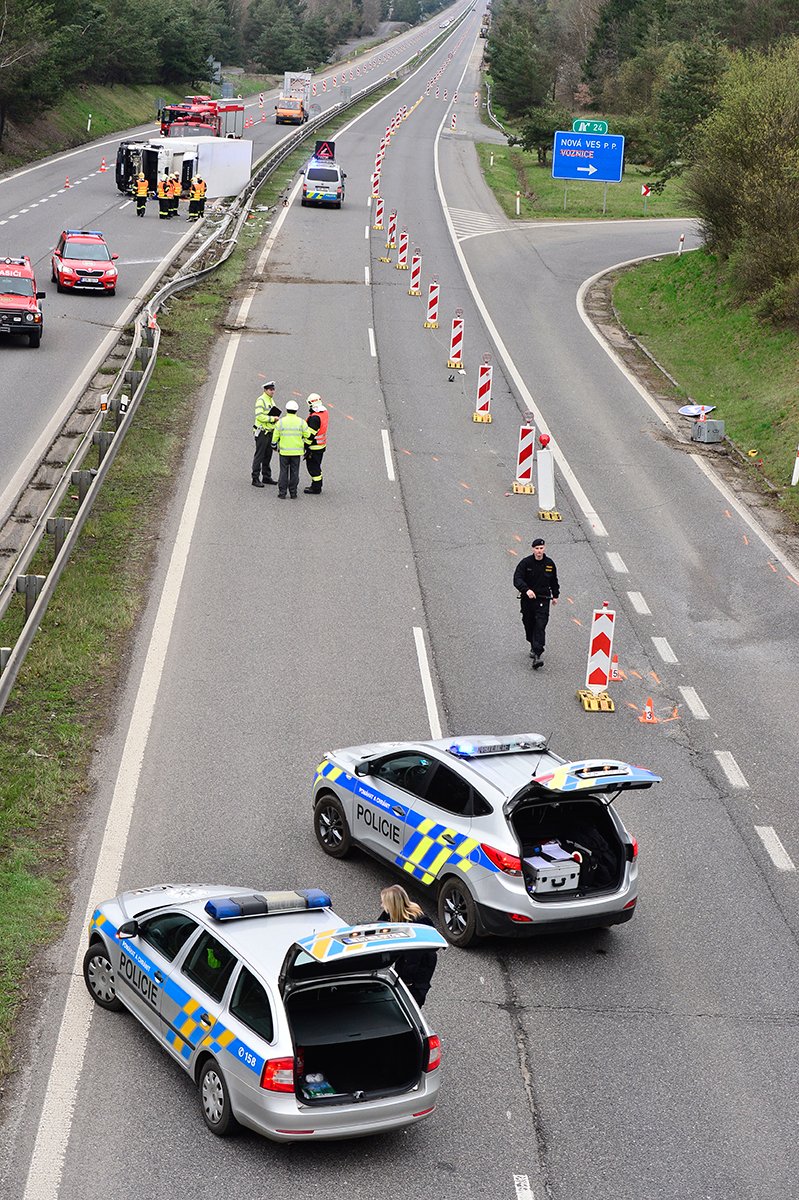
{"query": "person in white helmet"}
[(291, 437), (317, 421)]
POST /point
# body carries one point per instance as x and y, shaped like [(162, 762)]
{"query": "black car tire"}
[(34, 340), (98, 975), (457, 914), (111, 292), (215, 1100), (330, 826), (58, 286)]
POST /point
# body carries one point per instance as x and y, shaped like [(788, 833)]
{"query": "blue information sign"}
[(597, 156)]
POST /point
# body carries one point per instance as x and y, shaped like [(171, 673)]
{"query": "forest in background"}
[(704, 89)]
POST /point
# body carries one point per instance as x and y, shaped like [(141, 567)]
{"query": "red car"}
[(82, 260), (20, 311)]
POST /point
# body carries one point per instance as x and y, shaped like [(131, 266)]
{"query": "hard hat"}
[(314, 398), (291, 406)]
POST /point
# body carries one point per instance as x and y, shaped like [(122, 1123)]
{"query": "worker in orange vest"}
[(203, 186), (195, 195), (164, 189), (141, 189), (317, 421)]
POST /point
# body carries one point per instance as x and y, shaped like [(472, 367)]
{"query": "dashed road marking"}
[(387, 453), (639, 604), (617, 562), (696, 706), (731, 769), (372, 346), (366, 276), (427, 683), (366, 232), (522, 1185), (774, 847), (664, 650)]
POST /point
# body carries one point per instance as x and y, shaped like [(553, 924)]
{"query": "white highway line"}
[(580, 497), (776, 851), (24, 210), (617, 562), (366, 232), (731, 769), (125, 205), (639, 604), (387, 453), (49, 1151), (664, 650), (691, 698), (427, 684), (366, 276), (13, 216), (372, 346), (521, 1184)]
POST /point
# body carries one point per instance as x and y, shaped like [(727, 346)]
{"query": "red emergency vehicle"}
[(200, 116), (20, 311)]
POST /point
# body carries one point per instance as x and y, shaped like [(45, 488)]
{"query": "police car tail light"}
[(432, 1053), (278, 1075), (632, 850), (508, 863)]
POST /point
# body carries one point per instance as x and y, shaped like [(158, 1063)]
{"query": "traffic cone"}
[(615, 674), (67, 183), (103, 166), (702, 413), (648, 717)]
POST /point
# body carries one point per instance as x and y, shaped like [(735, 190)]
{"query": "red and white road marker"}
[(391, 241), (103, 166), (379, 205), (599, 671), (482, 410), (416, 274), (545, 471), (795, 476), (454, 122), (681, 244), (455, 360), (375, 185), (432, 305), (260, 99), (523, 483), (402, 253)]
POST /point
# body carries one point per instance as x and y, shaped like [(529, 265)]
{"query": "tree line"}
[(707, 90), (49, 46)]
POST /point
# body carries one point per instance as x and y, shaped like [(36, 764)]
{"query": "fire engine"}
[(20, 311), (200, 116)]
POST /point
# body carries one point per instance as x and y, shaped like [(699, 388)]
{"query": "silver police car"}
[(290, 1022), (513, 839)]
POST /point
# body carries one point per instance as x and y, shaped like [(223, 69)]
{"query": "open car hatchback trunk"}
[(582, 826), (353, 1041)]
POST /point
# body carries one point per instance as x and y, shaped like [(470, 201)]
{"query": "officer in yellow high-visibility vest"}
[(164, 198), (142, 188), (266, 418), (195, 195), (292, 435), (203, 186)]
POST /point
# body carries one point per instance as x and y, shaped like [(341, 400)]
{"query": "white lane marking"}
[(366, 232), (639, 604), (664, 650), (53, 195), (691, 698), (366, 276), (47, 1161), (522, 1185), (731, 769), (581, 499), (13, 216), (387, 453), (777, 852), (617, 562), (3, 222), (125, 205), (44, 199), (427, 684), (51, 162), (751, 521), (372, 346), (24, 210)]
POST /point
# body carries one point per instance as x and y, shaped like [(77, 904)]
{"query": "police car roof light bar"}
[(83, 233), (264, 904), (515, 745)]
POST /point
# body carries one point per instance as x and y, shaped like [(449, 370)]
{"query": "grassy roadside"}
[(542, 196), (682, 311), (65, 692)]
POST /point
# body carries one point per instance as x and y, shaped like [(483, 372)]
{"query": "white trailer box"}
[(225, 164), (297, 84)]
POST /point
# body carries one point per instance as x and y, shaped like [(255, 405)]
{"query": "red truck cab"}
[(20, 311)]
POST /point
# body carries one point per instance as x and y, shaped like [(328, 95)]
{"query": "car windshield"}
[(322, 175), (13, 285), (291, 104), (93, 251)]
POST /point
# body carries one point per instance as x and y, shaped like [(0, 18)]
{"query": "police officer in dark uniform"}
[(536, 580)]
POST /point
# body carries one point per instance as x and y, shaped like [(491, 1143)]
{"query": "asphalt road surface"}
[(655, 1060), (39, 388)]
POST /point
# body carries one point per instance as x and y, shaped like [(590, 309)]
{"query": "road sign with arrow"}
[(599, 157)]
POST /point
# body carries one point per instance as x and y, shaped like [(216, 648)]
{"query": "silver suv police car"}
[(514, 839), (289, 1021)]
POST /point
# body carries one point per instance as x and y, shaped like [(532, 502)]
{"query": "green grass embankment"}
[(683, 312)]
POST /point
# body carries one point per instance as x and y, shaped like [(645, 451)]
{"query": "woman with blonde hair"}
[(414, 969)]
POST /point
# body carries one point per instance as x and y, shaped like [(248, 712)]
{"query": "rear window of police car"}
[(322, 174)]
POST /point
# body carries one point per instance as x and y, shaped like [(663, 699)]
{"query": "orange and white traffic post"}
[(416, 273), (402, 253), (523, 483), (594, 696), (482, 411), (455, 360), (379, 205), (432, 305)]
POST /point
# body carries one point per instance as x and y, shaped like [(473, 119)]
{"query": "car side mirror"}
[(362, 768), (129, 929), (114, 257), (343, 174), (41, 295)]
